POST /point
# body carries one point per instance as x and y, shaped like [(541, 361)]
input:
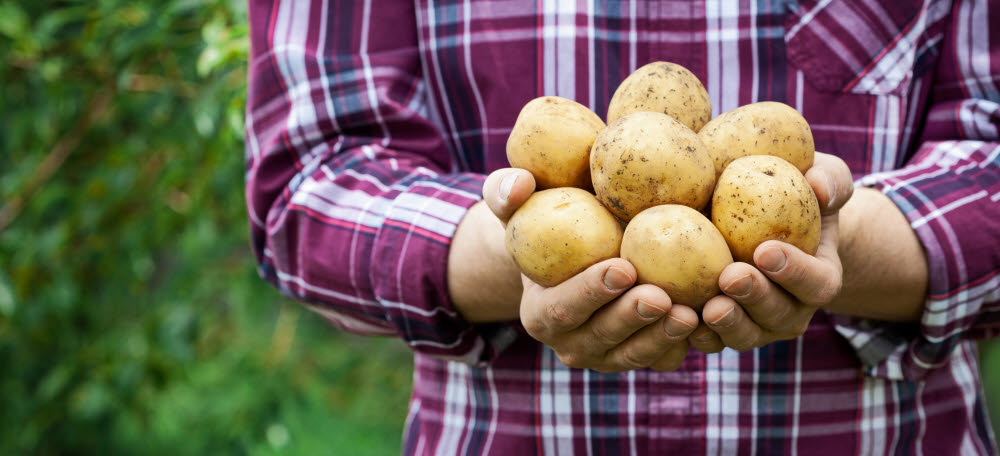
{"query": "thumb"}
[(506, 190), (830, 179)]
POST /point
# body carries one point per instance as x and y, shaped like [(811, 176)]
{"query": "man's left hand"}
[(776, 299)]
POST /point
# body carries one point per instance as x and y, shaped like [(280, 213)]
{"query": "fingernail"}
[(506, 184), (740, 287), (675, 327), (649, 311), (726, 320), (616, 279), (831, 189), (772, 259)]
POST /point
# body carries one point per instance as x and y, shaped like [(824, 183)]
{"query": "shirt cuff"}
[(409, 271), (900, 351)]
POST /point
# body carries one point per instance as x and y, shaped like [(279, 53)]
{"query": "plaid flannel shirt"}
[(371, 125)]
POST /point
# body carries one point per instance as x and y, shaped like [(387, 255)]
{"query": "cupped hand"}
[(596, 319), (777, 299)]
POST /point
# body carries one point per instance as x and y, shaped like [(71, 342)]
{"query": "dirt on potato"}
[(678, 249), (647, 159), (557, 233), (761, 198)]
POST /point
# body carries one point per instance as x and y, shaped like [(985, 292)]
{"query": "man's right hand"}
[(596, 319)]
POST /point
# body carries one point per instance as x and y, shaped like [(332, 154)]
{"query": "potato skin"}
[(647, 159), (760, 198), (678, 249), (557, 233), (765, 128), (551, 139), (663, 87)]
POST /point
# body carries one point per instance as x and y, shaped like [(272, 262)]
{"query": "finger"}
[(564, 307), (507, 189), (673, 358), (705, 340), (737, 330), (651, 343), (831, 181), (829, 239), (813, 280), (616, 321), (767, 304)]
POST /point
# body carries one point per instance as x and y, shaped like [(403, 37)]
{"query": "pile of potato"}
[(654, 169)]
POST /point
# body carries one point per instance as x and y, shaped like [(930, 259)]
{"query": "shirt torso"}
[(859, 72)]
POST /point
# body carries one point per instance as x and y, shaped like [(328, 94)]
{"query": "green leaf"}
[(13, 21), (7, 304)]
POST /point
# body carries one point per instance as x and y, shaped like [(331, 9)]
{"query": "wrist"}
[(484, 284), (885, 268)]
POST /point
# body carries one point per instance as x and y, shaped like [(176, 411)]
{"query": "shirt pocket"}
[(864, 47)]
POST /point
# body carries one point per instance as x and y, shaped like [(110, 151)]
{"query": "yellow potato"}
[(558, 233), (647, 159), (666, 88), (678, 249), (551, 139), (760, 198), (765, 128)]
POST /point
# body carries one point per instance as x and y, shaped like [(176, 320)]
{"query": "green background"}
[(132, 319)]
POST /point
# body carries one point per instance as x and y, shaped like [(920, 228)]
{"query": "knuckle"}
[(743, 345), (841, 167), (603, 337), (781, 317), (707, 344), (559, 317), (796, 274), (631, 360), (674, 358), (607, 368), (535, 328), (708, 349), (670, 365), (784, 335), (573, 360), (757, 292), (667, 338), (793, 332), (801, 328), (594, 292), (827, 292)]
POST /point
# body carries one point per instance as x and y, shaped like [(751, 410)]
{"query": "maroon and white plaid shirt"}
[(371, 124)]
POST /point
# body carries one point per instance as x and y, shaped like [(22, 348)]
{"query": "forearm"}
[(885, 270), (483, 281)]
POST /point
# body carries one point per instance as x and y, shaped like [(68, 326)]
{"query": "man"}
[(372, 125)]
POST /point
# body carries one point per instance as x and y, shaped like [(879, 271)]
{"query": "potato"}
[(551, 139), (662, 87), (765, 128), (759, 198), (678, 249), (558, 233), (647, 159)]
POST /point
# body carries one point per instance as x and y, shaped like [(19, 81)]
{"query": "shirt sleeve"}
[(950, 193), (351, 190)]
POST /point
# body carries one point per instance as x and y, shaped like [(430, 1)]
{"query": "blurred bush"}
[(132, 320)]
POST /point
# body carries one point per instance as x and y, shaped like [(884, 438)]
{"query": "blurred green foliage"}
[(990, 360), (132, 320)]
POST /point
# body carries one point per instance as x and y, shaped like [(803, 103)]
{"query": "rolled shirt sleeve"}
[(352, 192), (950, 193)]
